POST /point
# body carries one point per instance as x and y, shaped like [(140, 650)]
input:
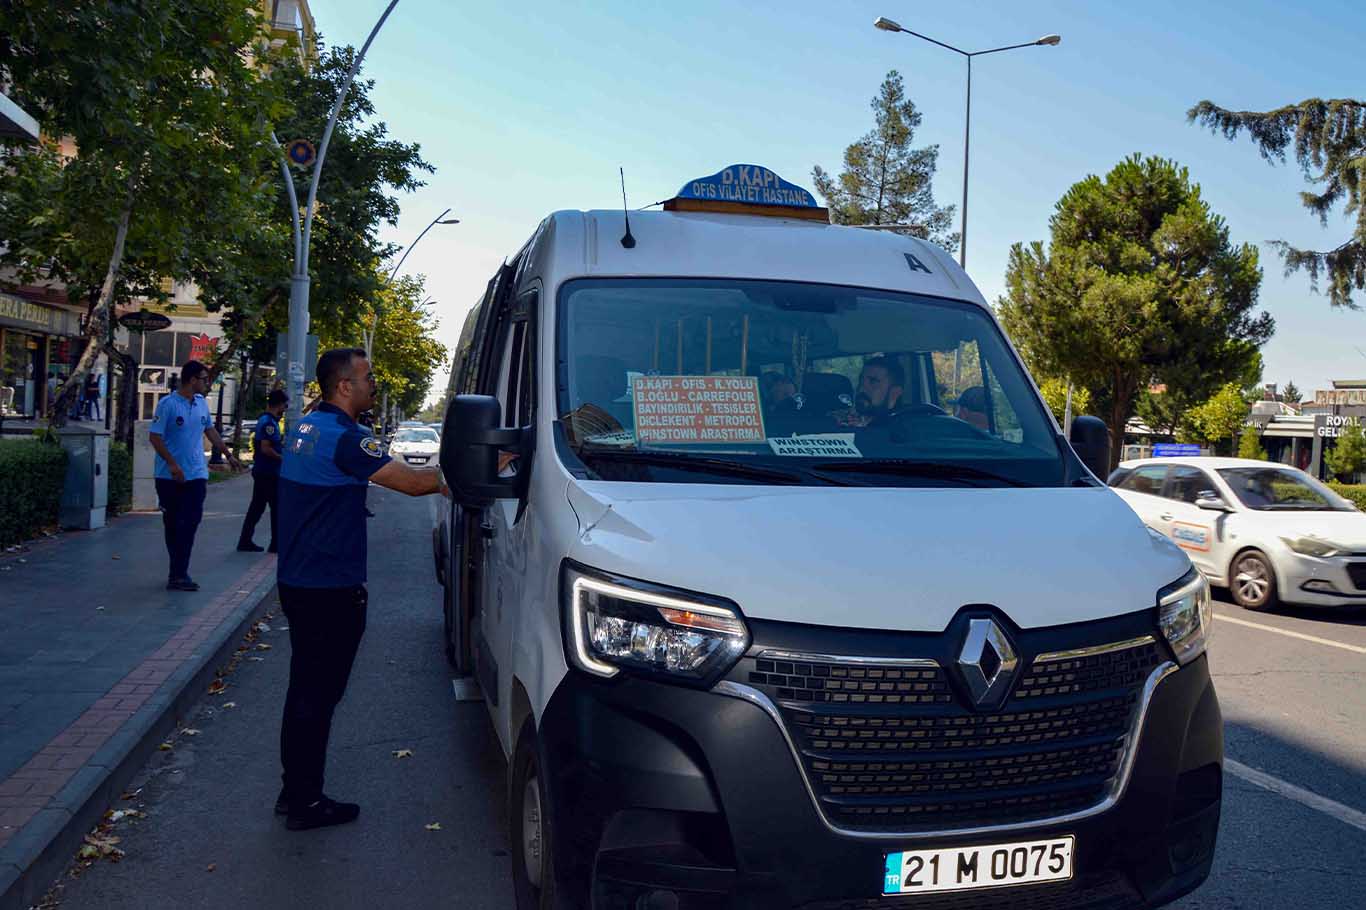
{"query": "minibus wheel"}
[(533, 877)]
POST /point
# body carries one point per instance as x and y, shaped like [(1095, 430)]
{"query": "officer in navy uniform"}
[(329, 463), (265, 473), (182, 476)]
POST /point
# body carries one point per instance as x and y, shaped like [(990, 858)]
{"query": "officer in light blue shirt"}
[(182, 476)]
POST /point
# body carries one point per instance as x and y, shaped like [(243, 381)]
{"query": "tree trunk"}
[(1119, 418), (127, 395), (97, 326), (245, 332), (239, 406)]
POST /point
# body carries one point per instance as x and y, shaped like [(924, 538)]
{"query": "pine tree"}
[(885, 180), (1329, 139), (1291, 393)]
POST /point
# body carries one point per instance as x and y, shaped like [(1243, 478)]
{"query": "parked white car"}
[(1268, 532), (416, 445)]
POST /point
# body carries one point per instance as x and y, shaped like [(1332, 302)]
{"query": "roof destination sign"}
[(747, 189)]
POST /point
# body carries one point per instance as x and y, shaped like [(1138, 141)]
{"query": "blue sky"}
[(529, 108)]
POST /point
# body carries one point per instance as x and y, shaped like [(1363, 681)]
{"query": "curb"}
[(44, 847)]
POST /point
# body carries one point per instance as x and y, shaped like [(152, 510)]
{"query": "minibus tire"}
[(526, 779)]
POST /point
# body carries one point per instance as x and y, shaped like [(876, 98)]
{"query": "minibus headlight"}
[(615, 624), (1185, 612)]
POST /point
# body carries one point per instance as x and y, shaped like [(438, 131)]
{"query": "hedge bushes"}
[(31, 477), (120, 478), (1356, 492)]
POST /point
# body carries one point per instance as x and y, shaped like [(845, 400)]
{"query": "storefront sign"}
[(1339, 396), (144, 321), (1332, 426), (202, 347), (25, 314), (689, 409)]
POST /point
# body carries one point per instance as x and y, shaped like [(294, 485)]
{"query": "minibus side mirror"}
[(1090, 439), (471, 439)]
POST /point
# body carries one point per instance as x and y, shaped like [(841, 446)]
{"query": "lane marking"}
[(1286, 632), (1344, 814)]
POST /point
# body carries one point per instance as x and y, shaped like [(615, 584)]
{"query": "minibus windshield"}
[(741, 381)]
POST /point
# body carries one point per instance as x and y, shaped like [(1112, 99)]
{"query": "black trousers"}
[(265, 491), (182, 507), (325, 629)]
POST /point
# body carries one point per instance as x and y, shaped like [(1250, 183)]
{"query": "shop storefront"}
[(34, 338)]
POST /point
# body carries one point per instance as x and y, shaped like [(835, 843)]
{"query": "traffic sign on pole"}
[(302, 152)]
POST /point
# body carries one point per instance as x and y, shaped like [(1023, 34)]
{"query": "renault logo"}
[(988, 662)]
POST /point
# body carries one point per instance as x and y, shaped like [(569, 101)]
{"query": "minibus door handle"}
[(487, 529)]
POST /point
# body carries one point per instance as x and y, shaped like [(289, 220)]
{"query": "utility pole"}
[(299, 281)]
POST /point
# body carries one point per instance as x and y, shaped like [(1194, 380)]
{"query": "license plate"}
[(988, 866), (417, 459)]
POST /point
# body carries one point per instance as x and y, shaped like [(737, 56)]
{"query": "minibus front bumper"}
[(680, 797)]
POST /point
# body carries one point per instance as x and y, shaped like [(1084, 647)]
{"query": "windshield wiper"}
[(905, 467), (687, 462)]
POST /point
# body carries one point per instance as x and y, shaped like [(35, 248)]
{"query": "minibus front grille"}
[(893, 747)]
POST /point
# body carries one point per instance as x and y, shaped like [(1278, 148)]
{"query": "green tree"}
[(1291, 393), (1055, 394), (885, 180), (1221, 417), (1139, 285), (1348, 454), (1250, 445), (1329, 140), (164, 103), (406, 352)]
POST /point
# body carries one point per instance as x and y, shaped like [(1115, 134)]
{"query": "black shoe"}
[(369, 514), (282, 804), (182, 584), (322, 813), (249, 547)]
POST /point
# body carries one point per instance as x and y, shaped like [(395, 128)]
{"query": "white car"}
[(416, 445), (1267, 531)]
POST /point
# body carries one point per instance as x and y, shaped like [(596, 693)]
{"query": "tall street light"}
[(374, 324), (887, 25), (299, 280)]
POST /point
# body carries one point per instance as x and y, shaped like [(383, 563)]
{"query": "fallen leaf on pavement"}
[(229, 704), (101, 846), (403, 753), (189, 731), (116, 556), (257, 659), (119, 815), (217, 687), (263, 627), (434, 826), (262, 646), (165, 747), (210, 867)]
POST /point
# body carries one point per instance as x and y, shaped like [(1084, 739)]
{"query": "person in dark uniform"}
[(328, 464), (265, 473)]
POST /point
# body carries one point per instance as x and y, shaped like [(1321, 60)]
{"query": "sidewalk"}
[(96, 661)]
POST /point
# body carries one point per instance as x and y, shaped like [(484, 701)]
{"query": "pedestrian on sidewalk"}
[(328, 465), (182, 476), (90, 404), (265, 473)]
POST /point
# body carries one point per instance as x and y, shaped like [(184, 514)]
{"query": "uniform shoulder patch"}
[(370, 446)]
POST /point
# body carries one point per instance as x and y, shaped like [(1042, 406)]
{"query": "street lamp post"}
[(369, 335), (887, 25), (299, 281)]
